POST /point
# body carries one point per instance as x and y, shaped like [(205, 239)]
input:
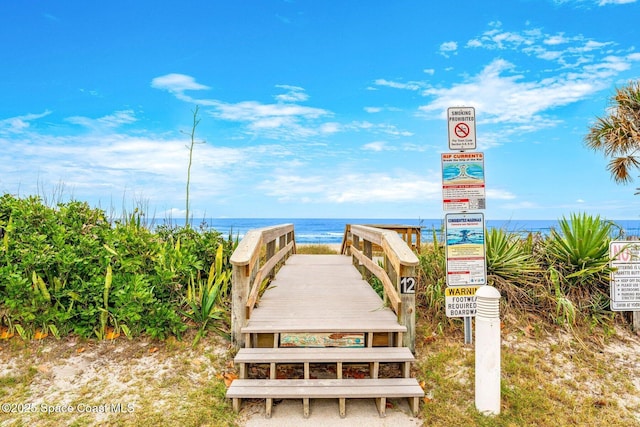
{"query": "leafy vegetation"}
[(562, 277), (617, 135), (69, 270)]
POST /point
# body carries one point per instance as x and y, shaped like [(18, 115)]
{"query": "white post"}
[(488, 350)]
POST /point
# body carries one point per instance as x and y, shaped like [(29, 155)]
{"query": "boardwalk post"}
[(240, 283), (408, 309), (367, 249)]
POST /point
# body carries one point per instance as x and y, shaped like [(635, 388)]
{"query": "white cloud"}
[(285, 119), (294, 94), (447, 48), (499, 194), (100, 163), (509, 98), (330, 128), (398, 85), (252, 110), (606, 2), (19, 124), (109, 121), (379, 128), (555, 40), (505, 94), (177, 83), (376, 146), (352, 188), (373, 109)]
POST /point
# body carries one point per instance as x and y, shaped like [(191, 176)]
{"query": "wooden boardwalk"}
[(321, 293), (319, 315)]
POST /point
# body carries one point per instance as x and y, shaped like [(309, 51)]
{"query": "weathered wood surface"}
[(247, 274), (321, 293), (325, 388), (324, 355), (399, 262)]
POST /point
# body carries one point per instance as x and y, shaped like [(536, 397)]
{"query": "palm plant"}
[(618, 134)]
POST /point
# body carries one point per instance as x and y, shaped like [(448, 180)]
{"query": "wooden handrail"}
[(263, 273), (400, 264), (389, 288), (248, 275)]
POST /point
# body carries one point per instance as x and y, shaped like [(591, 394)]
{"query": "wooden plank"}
[(326, 326), (325, 388), (321, 293), (264, 271), (324, 355)]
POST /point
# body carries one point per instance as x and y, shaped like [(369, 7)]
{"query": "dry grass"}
[(122, 383), (317, 249), (550, 377)]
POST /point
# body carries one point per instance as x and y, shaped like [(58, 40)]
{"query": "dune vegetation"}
[(154, 301)]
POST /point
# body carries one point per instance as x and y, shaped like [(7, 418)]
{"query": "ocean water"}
[(331, 230)]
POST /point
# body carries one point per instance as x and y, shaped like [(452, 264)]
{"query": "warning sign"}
[(460, 301), (625, 278), (463, 187), (465, 249), (462, 128)]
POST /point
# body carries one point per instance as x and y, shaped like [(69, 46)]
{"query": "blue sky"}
[(311, 109)]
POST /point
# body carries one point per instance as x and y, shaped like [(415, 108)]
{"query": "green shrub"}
[(66, 269)]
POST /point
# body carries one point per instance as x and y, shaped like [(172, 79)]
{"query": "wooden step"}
[(373, 356), (342, 389), (324, 355), (322, 324)]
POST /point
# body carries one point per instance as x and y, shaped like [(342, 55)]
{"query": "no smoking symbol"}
[(462, 130)]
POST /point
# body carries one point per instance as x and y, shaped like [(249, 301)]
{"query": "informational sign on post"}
[(462, 128), (460, 301), (465, 249), (463, 186), (625, 279)]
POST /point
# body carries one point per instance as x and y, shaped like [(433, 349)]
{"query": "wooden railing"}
[(398, 273), (254, 261)]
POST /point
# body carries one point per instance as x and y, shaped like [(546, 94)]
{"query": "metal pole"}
[(468, 331)]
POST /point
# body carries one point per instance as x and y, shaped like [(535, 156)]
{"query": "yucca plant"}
[(580, 249), (203, 298), (432, 273), (577, 257), (512, 268)]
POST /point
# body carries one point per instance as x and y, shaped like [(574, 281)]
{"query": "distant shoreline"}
[(333, 246)]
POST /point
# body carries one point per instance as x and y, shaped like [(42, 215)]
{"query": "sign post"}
[(463, 189)]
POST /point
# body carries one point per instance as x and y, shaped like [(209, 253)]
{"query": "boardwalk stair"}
[(317, 323)]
